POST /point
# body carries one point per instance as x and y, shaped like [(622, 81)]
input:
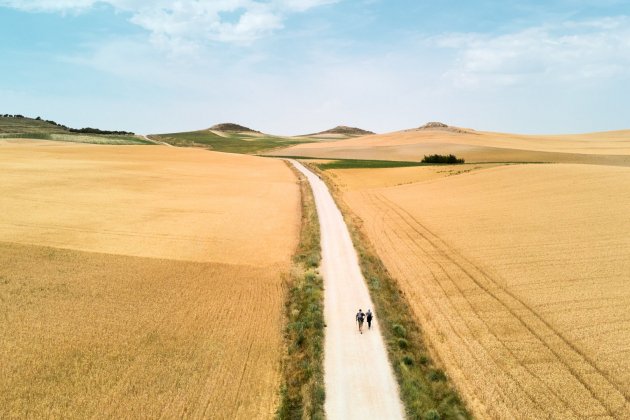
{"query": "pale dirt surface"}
[(178, 327), (146, 137), (359, 380), (219, 133), (147, 201), (611, 148), (519, 278)]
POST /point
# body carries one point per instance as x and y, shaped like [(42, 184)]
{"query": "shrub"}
[(432, 414), (437, 375), (90, 130), (449, 159), (313, 260), (402, 343), (399, 330), (407, 360)]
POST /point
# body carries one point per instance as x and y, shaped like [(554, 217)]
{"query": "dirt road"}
[(359, 380)]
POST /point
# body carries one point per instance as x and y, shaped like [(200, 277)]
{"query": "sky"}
[(301, 66)]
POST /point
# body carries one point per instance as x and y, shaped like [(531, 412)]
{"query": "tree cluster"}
[(450, 159)]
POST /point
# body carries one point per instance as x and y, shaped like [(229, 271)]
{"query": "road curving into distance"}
[(359, 380)]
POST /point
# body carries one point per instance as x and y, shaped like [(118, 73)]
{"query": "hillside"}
[(19, 124), (230, 138), (341, 131), (21, 127), (612, 147), (231, 127)]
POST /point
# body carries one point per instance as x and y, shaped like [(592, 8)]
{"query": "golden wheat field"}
[(610, 148), (518, 276), (142, 281)]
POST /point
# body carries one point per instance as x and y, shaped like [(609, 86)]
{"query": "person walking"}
[(368, 316), (360, 318)]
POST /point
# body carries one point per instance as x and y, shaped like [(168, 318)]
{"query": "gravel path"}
[(359, 380)]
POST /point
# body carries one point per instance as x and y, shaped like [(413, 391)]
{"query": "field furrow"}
[(454, 288), (495, 310)]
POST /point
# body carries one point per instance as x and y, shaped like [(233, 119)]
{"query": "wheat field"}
[(518, 276), (142, 282)]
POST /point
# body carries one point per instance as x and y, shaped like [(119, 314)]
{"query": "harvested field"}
[(609, 148), (518, 277), (142, 281)]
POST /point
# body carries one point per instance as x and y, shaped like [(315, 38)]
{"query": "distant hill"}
[(342, 130), (19, 124), (20, 127), (231, 127), (436, 125), (608, 148)]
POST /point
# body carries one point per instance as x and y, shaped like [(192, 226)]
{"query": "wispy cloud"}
[(567, 52), (183, 25)]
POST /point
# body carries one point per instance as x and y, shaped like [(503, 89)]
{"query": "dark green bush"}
[(449, 159), (437, 375)]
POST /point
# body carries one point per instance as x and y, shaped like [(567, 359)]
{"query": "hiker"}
[(368, 315), (360, 317)]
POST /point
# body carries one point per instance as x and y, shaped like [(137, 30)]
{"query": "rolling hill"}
[(340, 132), (230, 138), (21, 127), (611, 147)]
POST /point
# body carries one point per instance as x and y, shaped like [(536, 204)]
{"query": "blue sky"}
[(296, 66)]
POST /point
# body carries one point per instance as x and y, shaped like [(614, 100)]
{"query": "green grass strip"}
[(302, 390), (359, 163), (231, 143)]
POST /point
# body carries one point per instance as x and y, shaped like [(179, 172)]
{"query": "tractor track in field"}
[(611, 399)]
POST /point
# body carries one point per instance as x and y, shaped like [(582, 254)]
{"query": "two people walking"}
[(361, 317)]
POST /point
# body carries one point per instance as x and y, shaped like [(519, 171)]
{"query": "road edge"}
[(425, 390), (302, 391)]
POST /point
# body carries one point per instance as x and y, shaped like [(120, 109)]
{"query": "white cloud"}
[(182, 25), (569, 52)]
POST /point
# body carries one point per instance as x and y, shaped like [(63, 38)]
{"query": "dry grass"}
[(475, 146), (188, 323), (518, 277)]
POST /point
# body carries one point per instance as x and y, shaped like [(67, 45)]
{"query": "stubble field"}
[(142, 281), (517, 275)]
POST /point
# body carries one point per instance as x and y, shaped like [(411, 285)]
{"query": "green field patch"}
[(231, 142), (359, 163), (302, 393)]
